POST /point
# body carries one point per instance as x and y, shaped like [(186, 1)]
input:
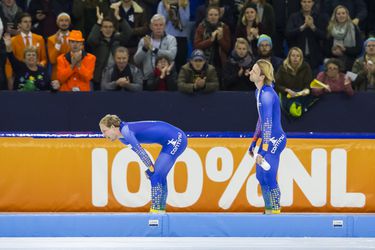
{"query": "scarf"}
[(344, 34), (211, 53), (244, 62), (116, 74), (9, 13)]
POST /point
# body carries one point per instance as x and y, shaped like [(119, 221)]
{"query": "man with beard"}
[(265, 52), (44, 14), (58, 44)]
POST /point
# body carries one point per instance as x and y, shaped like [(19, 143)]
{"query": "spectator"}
[(265, 52), (227, 13), (29, 76), (357, 9), (9, 13), (157, 44), (197, 75), (249, 27), (306, 30), (137, 18), (84, 14), (164, 77), (44, 14), (213, 38), (344, 38), (75, 69), (25, 39), (103, 40), (292, 83), (364, 67), (334, 78), (177, 14), (122, 75), (284, 8), (266, 16), (58, 43), (235, 71)]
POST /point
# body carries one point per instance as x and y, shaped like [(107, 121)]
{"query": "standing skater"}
[(173, 141), (270, 131)]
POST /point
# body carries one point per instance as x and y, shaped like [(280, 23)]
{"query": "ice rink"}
[(185, 243)]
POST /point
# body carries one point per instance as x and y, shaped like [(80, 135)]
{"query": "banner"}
[(212, 175)]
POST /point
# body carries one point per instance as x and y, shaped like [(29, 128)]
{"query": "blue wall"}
[(221, 111)]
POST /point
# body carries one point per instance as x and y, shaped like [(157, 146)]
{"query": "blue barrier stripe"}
[(310, 135)]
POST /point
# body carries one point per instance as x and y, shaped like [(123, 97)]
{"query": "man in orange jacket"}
[(75, 69)]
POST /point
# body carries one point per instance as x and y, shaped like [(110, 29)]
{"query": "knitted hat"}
[(371, 39), (263, 38)]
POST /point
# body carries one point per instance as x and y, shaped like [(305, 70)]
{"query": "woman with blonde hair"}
[(172, 139), (29, 76), (270, 131), (292, 82), (236, 69), (249, 27), (344, 38)]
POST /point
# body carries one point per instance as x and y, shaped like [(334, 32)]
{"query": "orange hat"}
[(75, 35)]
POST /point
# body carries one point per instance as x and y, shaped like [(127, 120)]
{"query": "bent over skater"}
[(172, 139)]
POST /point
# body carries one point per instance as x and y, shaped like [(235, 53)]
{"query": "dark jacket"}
[(350, 54), (297, 82), (231, 80), (187, 76), (102, 48), (298, 38)]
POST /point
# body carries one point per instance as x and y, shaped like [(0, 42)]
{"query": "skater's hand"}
[(252, 148), (259, 159)]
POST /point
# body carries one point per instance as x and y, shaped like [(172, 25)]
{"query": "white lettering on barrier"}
[(99, 177), (119, 175), (314, 185), (212, 168), (339, 196)]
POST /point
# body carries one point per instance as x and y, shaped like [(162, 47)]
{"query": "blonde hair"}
[(31, 49), (243, 19), (333, 22), (266, 69), (288, 66), (110, 120), (243, 41)]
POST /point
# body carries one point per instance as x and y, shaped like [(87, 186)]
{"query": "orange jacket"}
[(53, 53), (18, 46), (77, 77)]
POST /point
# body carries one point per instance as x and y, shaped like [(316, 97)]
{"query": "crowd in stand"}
[(135, 45)]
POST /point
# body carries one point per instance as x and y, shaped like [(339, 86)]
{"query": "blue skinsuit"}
[(273, 143), (173, 141)]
